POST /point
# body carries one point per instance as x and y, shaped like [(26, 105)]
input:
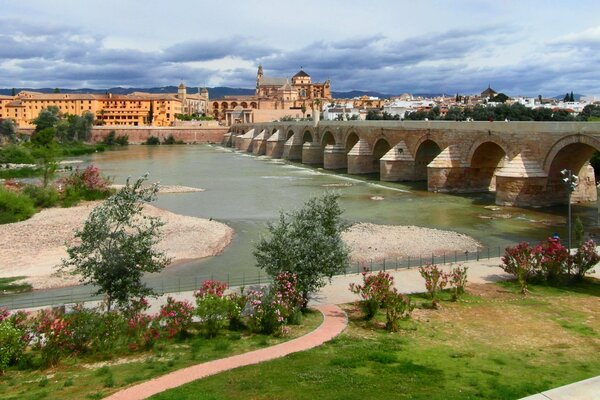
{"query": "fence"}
[(79, 294)]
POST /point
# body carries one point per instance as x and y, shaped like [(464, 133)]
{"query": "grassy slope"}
[(88, 378), (494, 345)]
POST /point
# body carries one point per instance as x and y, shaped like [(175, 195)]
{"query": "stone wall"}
[(140, 134)]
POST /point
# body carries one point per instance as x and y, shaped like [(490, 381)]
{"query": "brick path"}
[(334, 322)]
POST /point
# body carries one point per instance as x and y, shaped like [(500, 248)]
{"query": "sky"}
[(524, 47)]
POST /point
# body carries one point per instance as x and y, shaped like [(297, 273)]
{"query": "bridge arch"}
[(485, 159), (289, 134), (350, 140), (381, 147), (572, 153), (426, 151), (327, 139), (488, 139), (307, 137)]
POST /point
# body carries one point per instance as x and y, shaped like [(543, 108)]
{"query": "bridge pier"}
[(448, 173), (312, 153), (397, 164), (360, 159), (334, 157), (259, 144), (275, 145), (227, 139), (292, 151)]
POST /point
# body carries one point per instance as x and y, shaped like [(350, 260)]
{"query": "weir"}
[(519, 161)]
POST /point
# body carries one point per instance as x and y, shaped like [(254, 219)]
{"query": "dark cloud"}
[(450, 61)]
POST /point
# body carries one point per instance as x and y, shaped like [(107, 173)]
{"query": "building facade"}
[(274, 98), (135, 109)]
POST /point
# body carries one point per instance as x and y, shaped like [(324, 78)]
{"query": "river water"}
[(246, 192)]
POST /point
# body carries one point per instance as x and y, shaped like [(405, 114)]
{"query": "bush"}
[(397, 307), (213, 306), (42, 197), (14, 154), (53, 336), (88, 184), (522, 261), (435, 281), (171, 140), (12, 345), (152, 141), (584, 260), (122, 140), (373, 292), (113, 140), (14, 207), (458, 281), (176, 317)]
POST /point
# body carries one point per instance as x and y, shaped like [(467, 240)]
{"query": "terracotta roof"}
[(266, 81)]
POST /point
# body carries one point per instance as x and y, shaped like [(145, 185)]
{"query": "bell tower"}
[(259, 76)]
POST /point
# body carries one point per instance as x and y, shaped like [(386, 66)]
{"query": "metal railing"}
[(78, 294)]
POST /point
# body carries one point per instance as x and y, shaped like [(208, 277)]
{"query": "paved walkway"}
[(588, 389), (333, 324)]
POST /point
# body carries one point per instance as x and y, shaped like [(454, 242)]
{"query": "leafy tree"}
[(56, 90), (306, 242), (7, 130), (578, 232), (117, 246), (303, 109), (499, 98), (45, 151), (373, 115), (13, 92), (47, 118)]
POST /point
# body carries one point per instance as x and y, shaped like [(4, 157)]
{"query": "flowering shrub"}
[(53, 336), (522, 261), (272, 308), (585, 259), (212, 306), (435, 281), (458, 281), (142, 328), (237, 306), (555, 260), (373, 291), (176, 317), (88, 184), (4, 313), (398, 307)]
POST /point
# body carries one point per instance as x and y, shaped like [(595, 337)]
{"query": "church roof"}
[(488, 92), (266, 81), (301, 74)]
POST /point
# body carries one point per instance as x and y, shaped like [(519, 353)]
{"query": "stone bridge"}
[(519, 161)]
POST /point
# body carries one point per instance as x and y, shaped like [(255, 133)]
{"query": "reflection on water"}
[(246, 191)]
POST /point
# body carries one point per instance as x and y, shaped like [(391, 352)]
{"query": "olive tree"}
[(308, 243), (117, 245)]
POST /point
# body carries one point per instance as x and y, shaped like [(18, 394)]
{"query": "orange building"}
[(135, 109)]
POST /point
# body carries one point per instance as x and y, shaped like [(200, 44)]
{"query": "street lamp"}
[(570, 181)]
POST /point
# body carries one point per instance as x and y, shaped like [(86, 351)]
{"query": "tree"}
[(13, 92), (499, 98), (151, 114), (578, 232), (303, 109), (117, 246), (572, 98), (56, 90), (47, 118), (306, 242), (45, 152), (7, 130), (567, 97)]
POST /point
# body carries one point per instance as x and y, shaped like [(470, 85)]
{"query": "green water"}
[(245, 192)]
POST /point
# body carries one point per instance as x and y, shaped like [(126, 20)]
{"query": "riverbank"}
[(371, 242), (33, 248)]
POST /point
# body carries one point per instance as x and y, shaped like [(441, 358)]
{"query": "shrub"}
[(458, 281), (213, 306), (237, 306), (53, 336), (176, 317), (373, 292), (555, 261), (142, 329), (42, 197), (113, 140), (152, 141), (88, 184), (12, 345), (398, 307), (171, 140), (14, 154), (14, 207), (122, 140), (522, 261), (435, 281), (585, 259)]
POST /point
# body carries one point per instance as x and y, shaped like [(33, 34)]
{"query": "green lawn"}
[(94, 378), (9, 285), (494, 344)]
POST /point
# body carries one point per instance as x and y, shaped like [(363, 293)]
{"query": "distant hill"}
[(214, 93)]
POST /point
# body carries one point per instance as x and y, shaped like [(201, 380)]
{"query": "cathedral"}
[(274, 99)]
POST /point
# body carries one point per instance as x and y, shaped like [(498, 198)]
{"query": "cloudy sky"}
[(519, 47)]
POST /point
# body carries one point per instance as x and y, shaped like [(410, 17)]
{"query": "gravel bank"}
[(32, 248), (376, 242)]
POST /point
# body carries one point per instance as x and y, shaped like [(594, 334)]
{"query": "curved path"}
[(334, 322)]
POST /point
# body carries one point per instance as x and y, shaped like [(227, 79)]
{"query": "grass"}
[(492, 344), (19, 173), (96, 377), (8, 285)]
